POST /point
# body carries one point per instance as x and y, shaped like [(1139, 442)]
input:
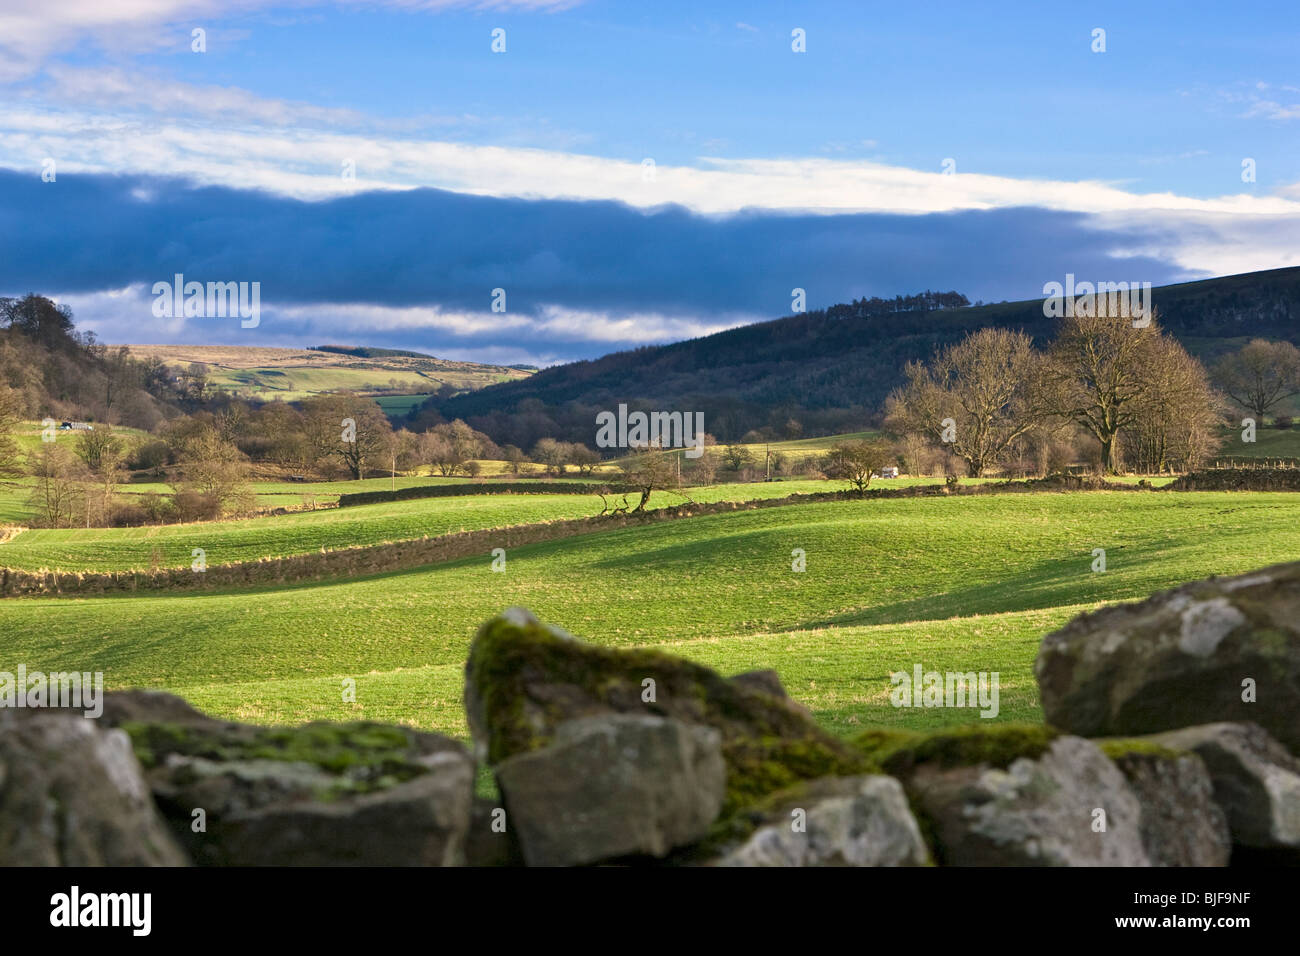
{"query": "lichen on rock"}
[(317, 794), (1222, 649)]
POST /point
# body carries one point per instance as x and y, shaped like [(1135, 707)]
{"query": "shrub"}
[(158, 509), (258, 447), (192, 505), (149, 456), (128, 515)]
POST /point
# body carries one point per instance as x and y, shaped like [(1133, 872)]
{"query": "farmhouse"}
[(77, 427)]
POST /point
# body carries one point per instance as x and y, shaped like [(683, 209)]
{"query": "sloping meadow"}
[(960, 583)]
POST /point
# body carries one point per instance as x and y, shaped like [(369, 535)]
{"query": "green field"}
[(962, 583), (801, 448), (226, 542), (1269, 443), (293, 384), (794, 450), (14, 492), (293, 374), (397, 406)]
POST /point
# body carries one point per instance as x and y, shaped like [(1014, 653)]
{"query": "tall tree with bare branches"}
[(1096, 375), (977, 397), (1260, 375)]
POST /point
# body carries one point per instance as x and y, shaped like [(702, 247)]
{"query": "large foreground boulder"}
[(72, 794), (1224, 649), (524, 679), (839, 821), (320, 794), (614, 786), (1256, 781), (1070, 806)]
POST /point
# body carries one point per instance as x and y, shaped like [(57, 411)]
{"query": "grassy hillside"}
[(293, 374), (952, 583), (125, 549)]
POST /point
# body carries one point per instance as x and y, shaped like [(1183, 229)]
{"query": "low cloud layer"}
[(418, 268)]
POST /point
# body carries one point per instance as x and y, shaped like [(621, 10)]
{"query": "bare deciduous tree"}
[(582, 457), (11, 416), (1260, 375), (647, 470), (103, 453), (349, 427), (856, 461), (1176, 420), (59, 493), (1096, 376), (551, 453), (214, 468), (450, 447), (977, 398), (705, 470)]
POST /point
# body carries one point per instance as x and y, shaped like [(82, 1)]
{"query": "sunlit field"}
[(960, 583)]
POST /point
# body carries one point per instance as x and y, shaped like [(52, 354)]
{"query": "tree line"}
[(1100, 390), (1125, 394)]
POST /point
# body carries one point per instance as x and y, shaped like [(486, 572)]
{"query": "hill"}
[(257, 372), (831, 369), (968, 584)]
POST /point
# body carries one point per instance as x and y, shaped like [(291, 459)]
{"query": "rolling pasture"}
[(952, 583), (127, 549), (292, 374)]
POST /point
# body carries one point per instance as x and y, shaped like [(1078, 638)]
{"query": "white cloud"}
[(33, 30), (1258, 106), (239, 139), (1270, 109), (114, 121), (305, 161), (118, 91), (125, 316), (640, 327), (359, 317)]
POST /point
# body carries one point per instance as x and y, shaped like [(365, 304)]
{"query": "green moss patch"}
[(524, 678), (994, 745), (1116, 748), (365, 755)]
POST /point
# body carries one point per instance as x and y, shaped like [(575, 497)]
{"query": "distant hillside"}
[(292, 374), (55, 371), (830, 370)]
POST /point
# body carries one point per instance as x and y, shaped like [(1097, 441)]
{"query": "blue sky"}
[(526, 169)]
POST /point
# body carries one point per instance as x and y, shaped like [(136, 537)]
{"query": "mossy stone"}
[(524, 678), (994, 745)]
